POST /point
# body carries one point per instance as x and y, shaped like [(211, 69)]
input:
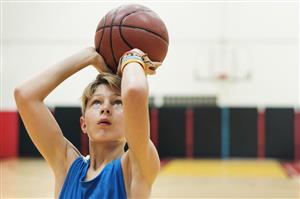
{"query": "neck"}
[(101, 154)]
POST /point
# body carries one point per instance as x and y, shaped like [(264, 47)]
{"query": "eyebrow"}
[(118, 95)]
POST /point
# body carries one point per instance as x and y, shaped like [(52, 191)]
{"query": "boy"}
[(114, 111)]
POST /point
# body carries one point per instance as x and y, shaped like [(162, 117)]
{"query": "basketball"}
[(127, 27)]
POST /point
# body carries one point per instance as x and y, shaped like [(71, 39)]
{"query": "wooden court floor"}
[(179, 178)]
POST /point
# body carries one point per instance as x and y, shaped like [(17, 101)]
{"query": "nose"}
[(105, 109)]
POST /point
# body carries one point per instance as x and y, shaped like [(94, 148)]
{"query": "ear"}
[(83, 125)]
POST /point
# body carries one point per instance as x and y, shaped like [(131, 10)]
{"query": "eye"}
[(118, 102), (96, 102)]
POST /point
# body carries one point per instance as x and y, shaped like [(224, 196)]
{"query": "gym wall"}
[(192, 132)]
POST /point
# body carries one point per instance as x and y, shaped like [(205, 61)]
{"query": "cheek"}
[(89, 117), (119, 116)]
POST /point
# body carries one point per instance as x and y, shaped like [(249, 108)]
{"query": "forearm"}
[(135, 103), (134, 79), (39, 86)]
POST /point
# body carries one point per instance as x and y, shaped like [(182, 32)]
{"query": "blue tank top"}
[(108, 184)]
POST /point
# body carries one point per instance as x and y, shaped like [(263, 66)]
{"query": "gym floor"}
[(179, 178)]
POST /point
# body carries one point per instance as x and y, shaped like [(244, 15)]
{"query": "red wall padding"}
[(297, 136), (84, 144), (261, 134), (189, 133), (9, 132)]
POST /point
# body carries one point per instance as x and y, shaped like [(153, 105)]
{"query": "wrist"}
[(90, 55), (130, 58)]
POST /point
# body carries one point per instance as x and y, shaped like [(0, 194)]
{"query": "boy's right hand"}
[(98, 62)]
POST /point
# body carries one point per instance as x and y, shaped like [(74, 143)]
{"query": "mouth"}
[(104, 122)]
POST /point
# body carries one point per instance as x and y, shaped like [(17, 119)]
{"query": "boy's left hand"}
[(150, 66)]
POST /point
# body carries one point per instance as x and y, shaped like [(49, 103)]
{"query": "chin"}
[(107, 138), (104, 135)]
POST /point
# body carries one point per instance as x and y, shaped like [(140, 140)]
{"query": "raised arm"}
[(38, 120), (136, 116)]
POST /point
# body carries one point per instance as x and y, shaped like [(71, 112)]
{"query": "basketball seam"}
[(134, 27), (120, 26), (99, 46), (125, 41), (101, 43), (111, 44), (122, 18), (142, 28)]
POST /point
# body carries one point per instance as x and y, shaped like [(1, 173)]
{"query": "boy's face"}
[(103, 118)]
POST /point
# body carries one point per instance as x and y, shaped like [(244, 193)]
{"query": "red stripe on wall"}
[(154, 127), (189, 132), (84, 149), (297, 136), (9, 128), (261, 135)]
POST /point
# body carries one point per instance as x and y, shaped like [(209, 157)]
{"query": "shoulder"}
[(62, 167), (75, 165), (75, 168), (65, 158)]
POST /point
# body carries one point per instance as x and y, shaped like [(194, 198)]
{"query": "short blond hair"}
[(111, 80)]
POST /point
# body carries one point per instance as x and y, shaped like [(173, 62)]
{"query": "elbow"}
[(20, 96)]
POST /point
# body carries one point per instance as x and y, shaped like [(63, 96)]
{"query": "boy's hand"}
[(149, 66), (98, 62)]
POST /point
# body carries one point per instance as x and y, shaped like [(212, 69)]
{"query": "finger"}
[(157, 64), (138, 51), (104, 68), (152, 68), (153, 65), (101, 65), (151, 72), (107, 70)]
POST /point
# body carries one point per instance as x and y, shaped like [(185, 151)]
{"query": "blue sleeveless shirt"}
[(109, 184)]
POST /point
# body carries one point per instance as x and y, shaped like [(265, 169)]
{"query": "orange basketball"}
[(127, 27)]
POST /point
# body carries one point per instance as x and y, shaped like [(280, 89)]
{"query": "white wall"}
[(205, 38)]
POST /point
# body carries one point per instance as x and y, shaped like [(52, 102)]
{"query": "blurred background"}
[(224, 106)]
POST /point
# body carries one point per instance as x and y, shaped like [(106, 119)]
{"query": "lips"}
[(104, 122)]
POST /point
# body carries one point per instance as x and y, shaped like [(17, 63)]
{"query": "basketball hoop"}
[(222, 76)]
